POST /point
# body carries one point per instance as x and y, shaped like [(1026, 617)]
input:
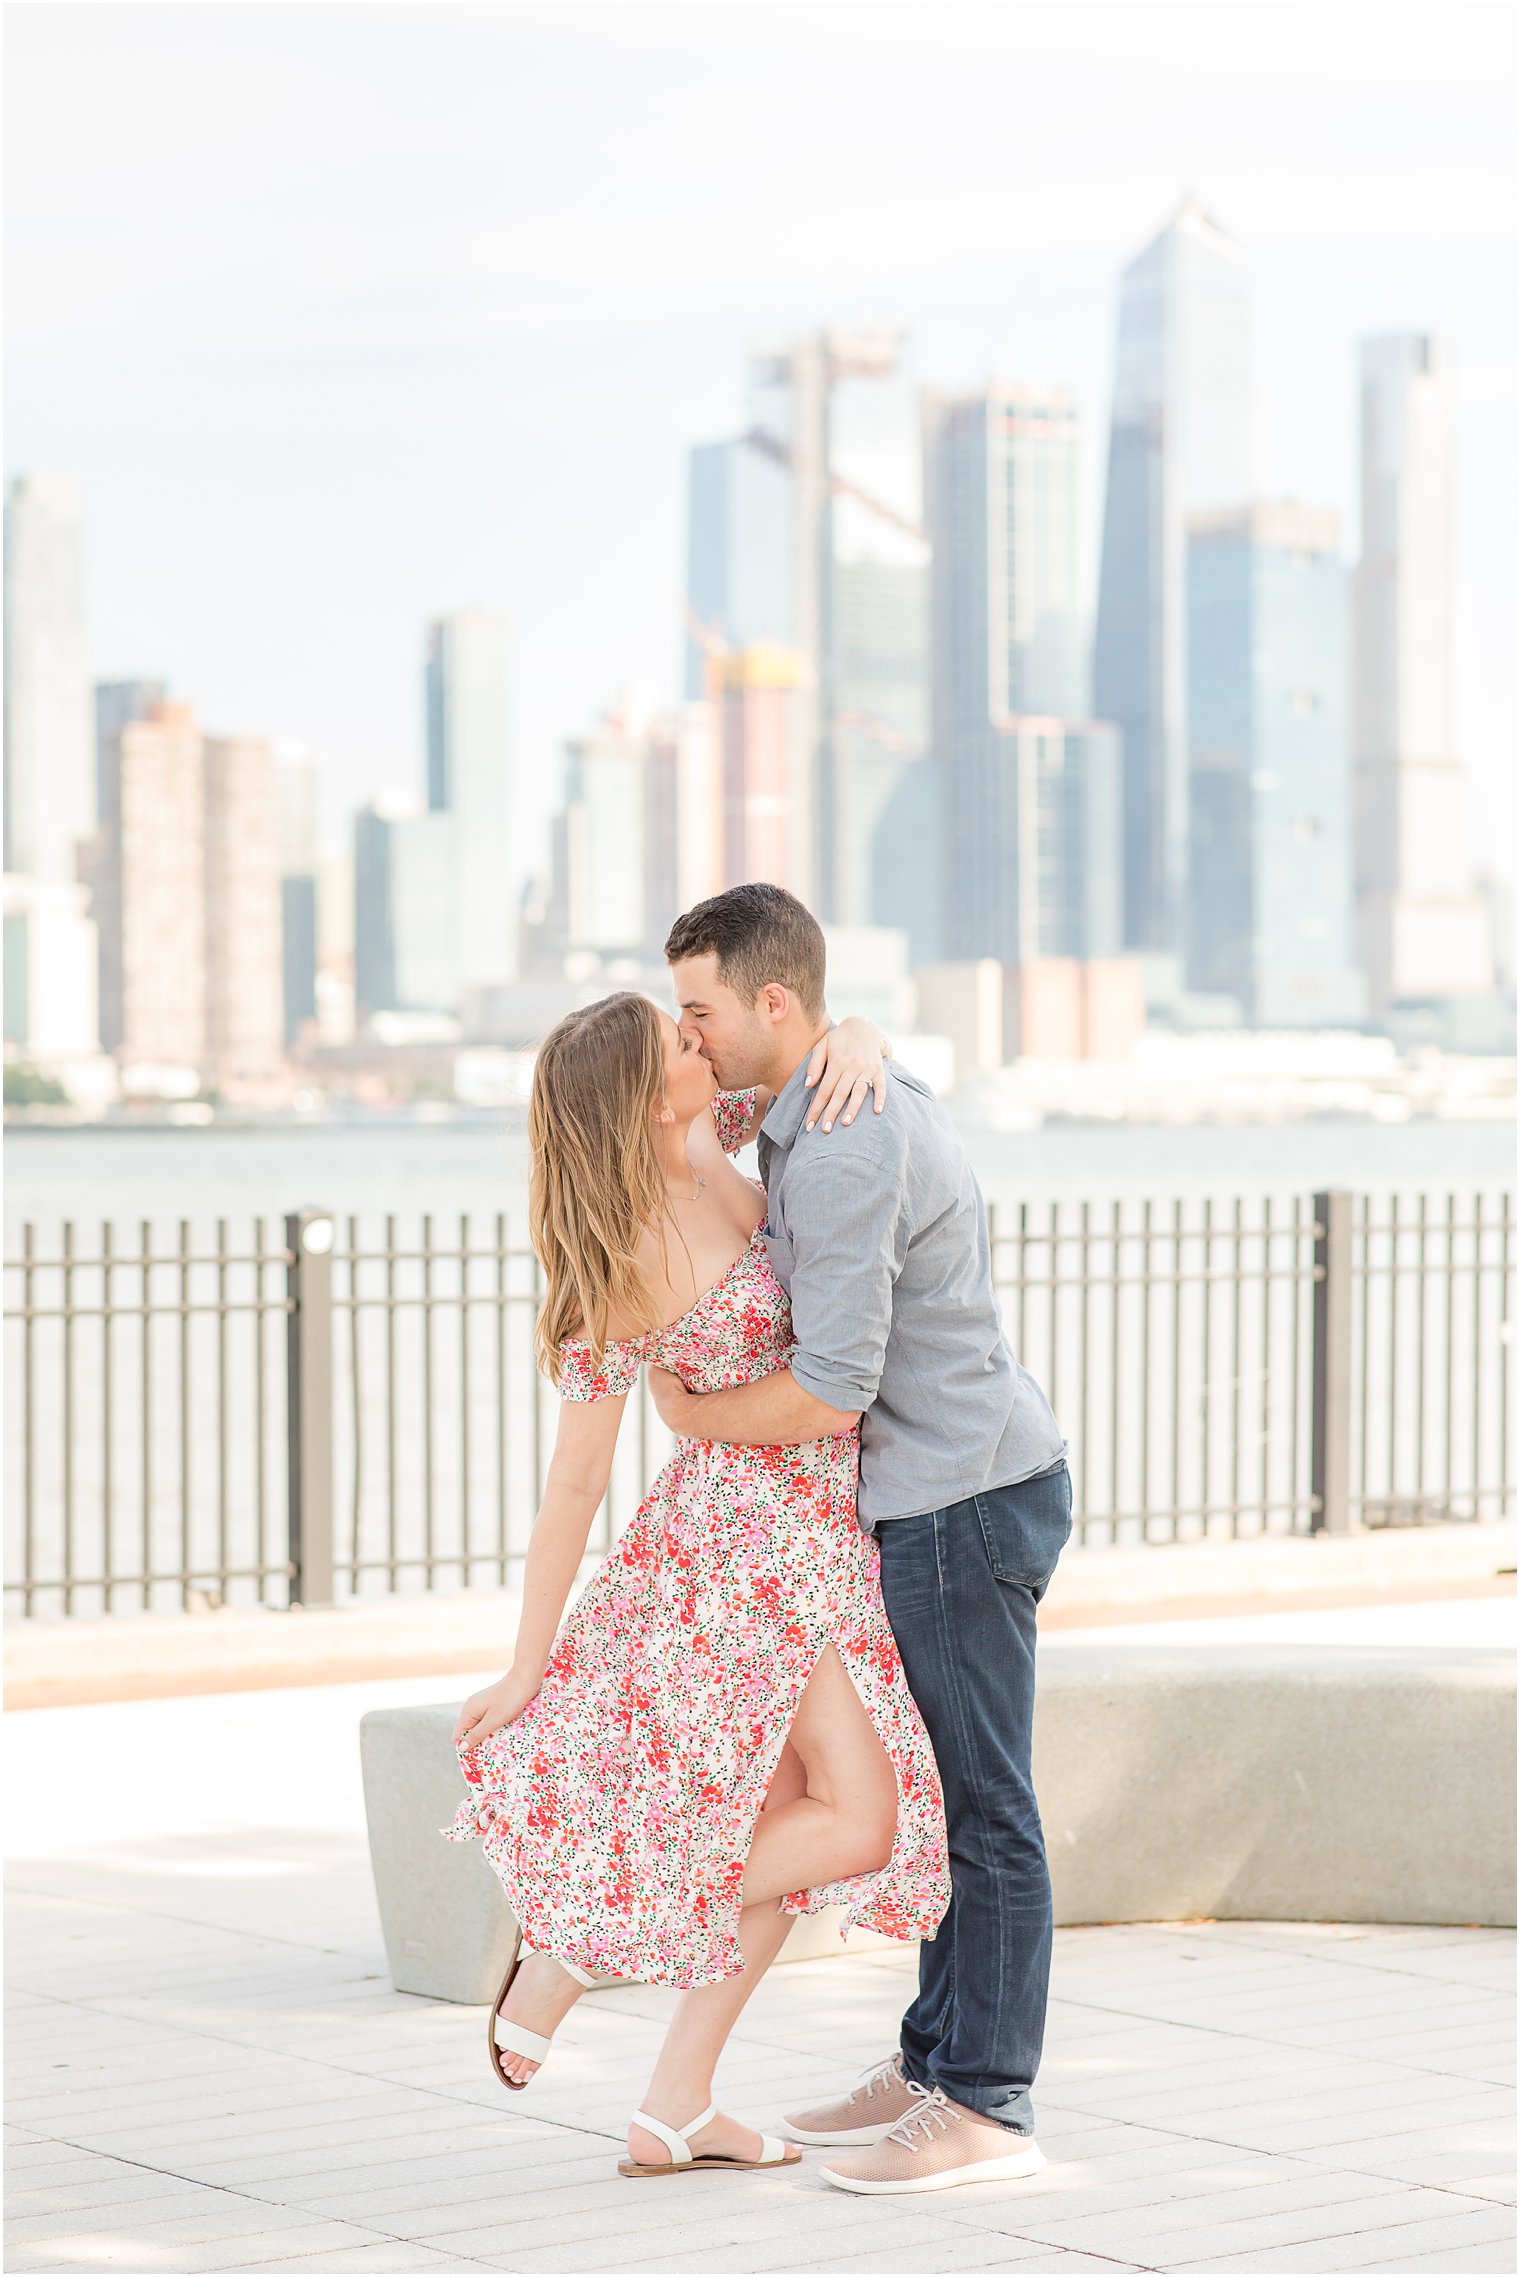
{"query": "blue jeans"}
[(961, 1586)]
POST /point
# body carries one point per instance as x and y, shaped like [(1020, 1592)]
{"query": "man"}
[(879, 1235)]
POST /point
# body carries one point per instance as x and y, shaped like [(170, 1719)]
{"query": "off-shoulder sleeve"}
[(619, 1371), (731, 1112)]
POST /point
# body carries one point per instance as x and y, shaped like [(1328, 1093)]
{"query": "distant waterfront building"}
[(117, 704), (469, 777), (1002, 491), (604, 846), (1001, 485), (245, 1013), (1268, 707), (374, 956), (335, 947), (51, 973), (50, 790), (296, 799), (662, 831), (738, 551), (762, 726), (424, 891), (151, 892), (405, 882), (1421, 927), (1038, 855), (1180, 444), (879, 743)]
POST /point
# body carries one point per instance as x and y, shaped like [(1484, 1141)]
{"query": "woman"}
[(721, 1737)]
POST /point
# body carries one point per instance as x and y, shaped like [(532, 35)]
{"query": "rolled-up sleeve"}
[(843, 1217)]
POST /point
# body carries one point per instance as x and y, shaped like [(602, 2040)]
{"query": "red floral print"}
[(619, 1808)]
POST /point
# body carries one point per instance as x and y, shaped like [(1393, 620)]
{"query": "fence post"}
[(308, 1394), (1330, 1424)]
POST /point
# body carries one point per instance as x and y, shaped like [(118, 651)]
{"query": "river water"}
[(95, 1173)]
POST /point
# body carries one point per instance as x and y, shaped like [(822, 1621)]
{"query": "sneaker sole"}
[(1012, 2169), (851, 2138)]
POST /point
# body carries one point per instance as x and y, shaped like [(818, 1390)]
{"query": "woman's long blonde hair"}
[(596, 1184)]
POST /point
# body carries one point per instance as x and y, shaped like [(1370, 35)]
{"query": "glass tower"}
[(1268, 707), (1180, 443), (469, 778), (50, 785), (1001, 482), (1423, 930)]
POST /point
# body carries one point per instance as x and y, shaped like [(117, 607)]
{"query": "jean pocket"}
[(1026, 1527)]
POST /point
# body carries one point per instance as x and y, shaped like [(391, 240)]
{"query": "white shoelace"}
[(930, 2111), (882, 2076)]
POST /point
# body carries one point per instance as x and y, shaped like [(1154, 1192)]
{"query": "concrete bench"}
[(1287, 1783)]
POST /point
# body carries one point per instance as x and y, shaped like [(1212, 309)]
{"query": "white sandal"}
[(516, 2038), (684, 2161)]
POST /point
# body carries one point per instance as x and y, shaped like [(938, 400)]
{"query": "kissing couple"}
[(805, 1675)]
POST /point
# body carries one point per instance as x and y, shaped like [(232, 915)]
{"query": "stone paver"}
[(210, 2070)]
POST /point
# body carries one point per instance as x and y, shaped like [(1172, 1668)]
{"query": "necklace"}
[(697, 1196)]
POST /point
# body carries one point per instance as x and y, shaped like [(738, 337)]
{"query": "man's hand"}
[(675, 1406), (774, 1411), (493, 1709), (845, 1064)]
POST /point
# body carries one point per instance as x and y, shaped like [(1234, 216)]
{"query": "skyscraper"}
[(50, 790), (1038, 853), (738, 550), (1180, 444), (1268, 710), (51, 973), (469, 777), (117, 704), (374, 954), (296, 796), (245, 1012), (1001, 487), (1421, 928), (405, 892), (151, 894), (604, 854), (761, 730)]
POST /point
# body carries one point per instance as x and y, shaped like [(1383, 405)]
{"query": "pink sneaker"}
[(867, 2113), (938, 2146)]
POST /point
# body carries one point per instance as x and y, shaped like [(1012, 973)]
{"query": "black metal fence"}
[(338, 1407)]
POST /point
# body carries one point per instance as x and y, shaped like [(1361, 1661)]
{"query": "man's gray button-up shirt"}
[(877, 1232)]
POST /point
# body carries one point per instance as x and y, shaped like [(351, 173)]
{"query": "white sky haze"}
[(345, 315)]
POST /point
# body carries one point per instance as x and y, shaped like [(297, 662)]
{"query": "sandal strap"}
[(521, 2041), (772, 2151), (675, 2138)]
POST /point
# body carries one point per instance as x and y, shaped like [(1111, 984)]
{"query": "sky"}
[(346, 315)]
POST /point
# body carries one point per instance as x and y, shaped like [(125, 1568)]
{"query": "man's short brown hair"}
[(759, 934)]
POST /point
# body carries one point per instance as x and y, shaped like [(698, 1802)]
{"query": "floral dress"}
[(618, 1809)]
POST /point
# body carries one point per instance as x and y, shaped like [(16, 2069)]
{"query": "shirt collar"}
[(787, 1111)]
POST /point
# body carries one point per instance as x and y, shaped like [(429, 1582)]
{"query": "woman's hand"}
[(491, 1710), (847, 1063)]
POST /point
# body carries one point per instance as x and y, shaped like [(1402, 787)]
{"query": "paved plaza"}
[(209, 2069)]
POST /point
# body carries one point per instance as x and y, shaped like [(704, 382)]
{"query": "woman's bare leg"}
[(831, 1811), (683, 2076), (846, 1821)]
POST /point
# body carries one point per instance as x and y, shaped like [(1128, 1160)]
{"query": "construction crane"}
[(812, 370), (840, 486)]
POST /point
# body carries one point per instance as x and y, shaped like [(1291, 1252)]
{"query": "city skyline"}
[(443, 365)]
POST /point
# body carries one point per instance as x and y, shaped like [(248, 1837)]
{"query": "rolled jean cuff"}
[(1014, 2109)]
